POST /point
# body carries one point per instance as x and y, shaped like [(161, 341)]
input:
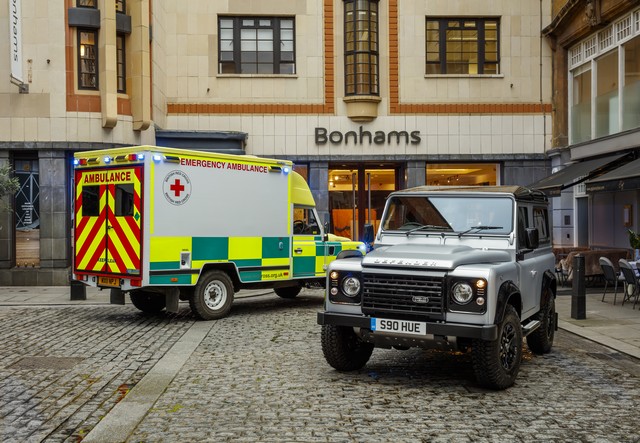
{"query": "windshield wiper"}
[(478, 228), (427, 227)]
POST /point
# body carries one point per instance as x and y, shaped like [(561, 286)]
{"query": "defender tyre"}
[(540, 341), (288, 291), (496, 363), (343, 349), (213, 296), (148, 302)]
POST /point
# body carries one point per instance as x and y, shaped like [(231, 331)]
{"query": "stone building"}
[(365, 96), (596, 121)]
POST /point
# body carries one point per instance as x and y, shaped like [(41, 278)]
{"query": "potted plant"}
[(634, 241)]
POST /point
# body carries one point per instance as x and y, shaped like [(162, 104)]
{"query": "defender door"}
[(108, 220)]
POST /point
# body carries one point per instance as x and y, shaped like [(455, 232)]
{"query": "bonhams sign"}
[(15, 41), (323, 136)]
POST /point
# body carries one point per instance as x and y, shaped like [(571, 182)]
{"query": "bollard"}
[(78, 290), (578, 293)]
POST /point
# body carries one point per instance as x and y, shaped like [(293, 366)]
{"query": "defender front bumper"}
[(482, 332)]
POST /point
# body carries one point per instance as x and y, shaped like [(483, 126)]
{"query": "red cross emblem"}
[(176, 187)]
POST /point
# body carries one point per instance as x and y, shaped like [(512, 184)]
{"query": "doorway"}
[(357, 194)]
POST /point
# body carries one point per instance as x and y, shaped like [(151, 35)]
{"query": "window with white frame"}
[(604, 89), (256, 45)]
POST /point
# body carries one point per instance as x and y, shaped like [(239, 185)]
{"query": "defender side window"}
[(541, 223), (523, 224)]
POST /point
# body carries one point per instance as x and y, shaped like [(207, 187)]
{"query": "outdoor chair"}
[(631, 280), (610, 277)]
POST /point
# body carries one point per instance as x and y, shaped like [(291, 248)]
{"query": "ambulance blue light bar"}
[(284, 169), (166, 158)]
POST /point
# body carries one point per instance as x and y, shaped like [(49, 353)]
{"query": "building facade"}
[(365, 96), (596, 121)]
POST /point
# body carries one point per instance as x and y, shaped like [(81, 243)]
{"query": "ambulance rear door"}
[(108, 221)]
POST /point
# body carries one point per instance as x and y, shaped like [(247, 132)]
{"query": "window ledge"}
[(362, 108), (257, 75), (464, 76)]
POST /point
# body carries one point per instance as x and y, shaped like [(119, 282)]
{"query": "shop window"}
[(27, 211), (256, 45), (631, 88), (121, 69), (361, 47), (604, 88), (87, 3), (607, 113), (462, 174), (581, 106), (469, 46), (87, 59)]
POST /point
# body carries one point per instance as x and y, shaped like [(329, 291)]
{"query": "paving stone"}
[(259, 376)]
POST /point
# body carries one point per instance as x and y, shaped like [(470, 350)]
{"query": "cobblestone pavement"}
[(259, 375)]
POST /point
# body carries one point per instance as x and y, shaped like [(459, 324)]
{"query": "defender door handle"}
[(298, 251)]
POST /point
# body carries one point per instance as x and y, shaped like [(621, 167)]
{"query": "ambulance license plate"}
[(398, 326), (109, 281)]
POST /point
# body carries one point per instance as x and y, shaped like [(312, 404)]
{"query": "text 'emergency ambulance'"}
[(224, 165)]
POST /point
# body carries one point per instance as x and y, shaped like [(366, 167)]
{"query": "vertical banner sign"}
[(15, 41)]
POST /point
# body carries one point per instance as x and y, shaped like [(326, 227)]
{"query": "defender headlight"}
[(462, 293), (351, 286)]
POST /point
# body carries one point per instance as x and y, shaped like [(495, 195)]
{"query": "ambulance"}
[(165, 224)]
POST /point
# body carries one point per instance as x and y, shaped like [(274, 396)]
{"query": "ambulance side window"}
[(90, 201), (124, 200), (304, 222)]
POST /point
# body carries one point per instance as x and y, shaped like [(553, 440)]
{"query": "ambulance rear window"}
[(90, 201), (124, 200)]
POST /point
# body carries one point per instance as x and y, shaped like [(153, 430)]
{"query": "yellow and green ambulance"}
[(166, 224)]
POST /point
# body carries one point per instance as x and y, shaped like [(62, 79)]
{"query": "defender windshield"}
[(461, 215)]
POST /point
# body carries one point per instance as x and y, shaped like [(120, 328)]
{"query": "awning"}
[(624, 178), (577, 173)]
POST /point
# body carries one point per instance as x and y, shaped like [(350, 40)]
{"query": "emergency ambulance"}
[(165, 224)]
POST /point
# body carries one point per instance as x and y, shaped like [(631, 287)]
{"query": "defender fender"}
[(349, 253), (509, 294), (548, 284)]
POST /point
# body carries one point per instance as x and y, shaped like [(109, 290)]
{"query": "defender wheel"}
[(149, 302), (496, 363), (212, 296), (288, 291), (343, 349), (540, 341)]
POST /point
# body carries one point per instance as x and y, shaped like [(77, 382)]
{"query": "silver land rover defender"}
[(468, 268)]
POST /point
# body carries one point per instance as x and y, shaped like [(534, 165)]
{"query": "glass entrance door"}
[(356, 196)]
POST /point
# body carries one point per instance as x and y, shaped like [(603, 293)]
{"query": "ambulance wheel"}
[(288, 291), (213, 296), (149, 302)]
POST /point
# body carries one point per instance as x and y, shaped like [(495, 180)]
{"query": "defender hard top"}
[(519, 192)]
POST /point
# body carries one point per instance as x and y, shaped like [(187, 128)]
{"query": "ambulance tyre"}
[(213, 296), (149, 302), (288, 291)]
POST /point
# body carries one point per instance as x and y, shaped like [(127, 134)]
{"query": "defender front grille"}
[(407, 295)]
